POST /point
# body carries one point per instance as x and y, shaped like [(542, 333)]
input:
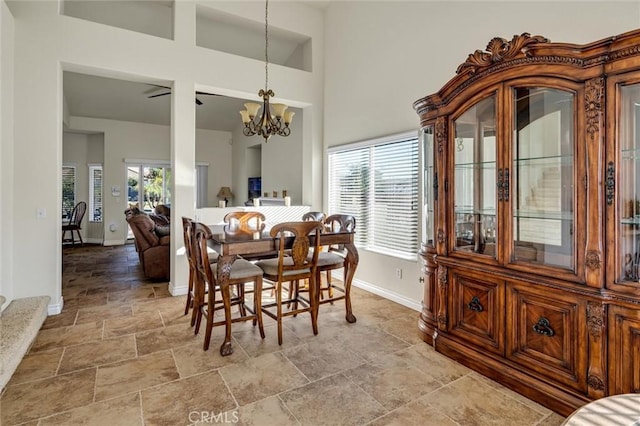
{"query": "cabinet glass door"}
[(629, 186), (475, 179), (543, 177), (428, 181)]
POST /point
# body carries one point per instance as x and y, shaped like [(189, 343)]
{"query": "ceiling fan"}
[(167, 91)]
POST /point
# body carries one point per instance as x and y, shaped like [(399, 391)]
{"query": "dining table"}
[(232, 244)]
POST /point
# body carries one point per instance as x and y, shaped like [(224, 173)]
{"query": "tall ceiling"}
[(116, 99), (113, 99)]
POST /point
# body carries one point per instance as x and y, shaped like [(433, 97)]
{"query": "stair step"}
[(19, 323)]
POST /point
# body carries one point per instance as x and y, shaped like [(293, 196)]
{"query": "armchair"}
[(153, 250)]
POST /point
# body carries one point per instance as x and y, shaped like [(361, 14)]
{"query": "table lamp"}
[(225, 192)]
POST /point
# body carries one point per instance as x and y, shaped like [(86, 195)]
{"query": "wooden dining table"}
[(261, 245)]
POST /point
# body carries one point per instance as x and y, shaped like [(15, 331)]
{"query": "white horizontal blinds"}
[(349, 187), (95, 193), (378, 184), (68, 190), (394, 216)]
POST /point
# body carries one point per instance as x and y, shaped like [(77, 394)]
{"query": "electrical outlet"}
[(399, 273)]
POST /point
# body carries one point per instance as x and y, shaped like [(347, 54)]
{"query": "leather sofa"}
[(153, 248)]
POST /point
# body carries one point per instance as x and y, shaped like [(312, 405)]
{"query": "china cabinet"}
[(530, 162)]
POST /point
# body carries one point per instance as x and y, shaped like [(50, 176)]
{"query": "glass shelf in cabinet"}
[(537, 214), (630, 154), (545, 160), (475, 164), (471, 210)]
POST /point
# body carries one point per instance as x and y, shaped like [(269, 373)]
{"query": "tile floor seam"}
[(288, 408), (64, 349), (228, 388), (141, 407)]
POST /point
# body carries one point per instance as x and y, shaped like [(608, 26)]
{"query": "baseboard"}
[(93, 241), (178, 290), (113, 242), (383, 292), (55, 308)]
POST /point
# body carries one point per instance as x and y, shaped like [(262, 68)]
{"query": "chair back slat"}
[(301, 246), (337, 223), (78, 213)]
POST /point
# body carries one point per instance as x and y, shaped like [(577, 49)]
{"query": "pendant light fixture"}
[(269, 123)]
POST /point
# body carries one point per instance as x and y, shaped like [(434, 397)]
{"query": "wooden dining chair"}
[(206, 280), (314, 216), (335, 256), (299, 264), (189, 240), (244, 222), (75, 224)]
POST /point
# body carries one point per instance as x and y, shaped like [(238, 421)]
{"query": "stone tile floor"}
[(123, 353)]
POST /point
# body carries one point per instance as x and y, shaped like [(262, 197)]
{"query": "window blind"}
[(68, 190), (378, 184), (95, 193)]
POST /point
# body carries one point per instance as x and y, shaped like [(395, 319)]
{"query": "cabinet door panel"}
[(477, 311), (624, 350), (544, 334)]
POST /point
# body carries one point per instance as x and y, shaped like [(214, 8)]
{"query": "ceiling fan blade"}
[(156, 88), (159, 94), (208, 94), (198, 101)]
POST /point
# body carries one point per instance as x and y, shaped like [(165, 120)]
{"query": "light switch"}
[(41, 213)]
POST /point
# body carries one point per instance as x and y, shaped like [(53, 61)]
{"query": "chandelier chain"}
[(266, 45)]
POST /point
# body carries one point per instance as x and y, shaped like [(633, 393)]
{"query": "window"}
[(95, 193), (68, 190), (377, 182)]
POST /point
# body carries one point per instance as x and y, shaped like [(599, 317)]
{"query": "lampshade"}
[(225, 192)]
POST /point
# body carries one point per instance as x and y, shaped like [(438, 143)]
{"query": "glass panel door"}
[(428, 182), (475, 179), (629, 187), (543, 177)]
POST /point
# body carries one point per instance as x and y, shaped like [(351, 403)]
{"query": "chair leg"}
[(279, 310), (189, 297), (257, 304), (314, 301), (241, 293), (80, 237), (210, 314), (198, 303), (330, 285)]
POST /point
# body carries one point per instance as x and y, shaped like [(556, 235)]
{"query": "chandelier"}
[(268, 123)]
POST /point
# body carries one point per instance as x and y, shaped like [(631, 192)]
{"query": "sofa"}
[(152, 244)]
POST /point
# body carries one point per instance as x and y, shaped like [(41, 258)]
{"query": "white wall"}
[(381, 56), (214, 148), (6, 153)]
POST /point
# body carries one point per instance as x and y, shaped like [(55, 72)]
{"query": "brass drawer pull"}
[(475, 305), (543, 326)]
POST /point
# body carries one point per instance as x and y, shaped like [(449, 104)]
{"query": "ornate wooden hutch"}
[(531, 217)]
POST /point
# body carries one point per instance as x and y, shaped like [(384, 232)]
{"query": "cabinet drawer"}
[(544, 331), (624, 350), (477, 310)]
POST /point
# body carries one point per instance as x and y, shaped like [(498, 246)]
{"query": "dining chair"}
[(299, 264), (244, 222), (188, 234), (75, 223), (314, 216), (335, 256), (206, 280)]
